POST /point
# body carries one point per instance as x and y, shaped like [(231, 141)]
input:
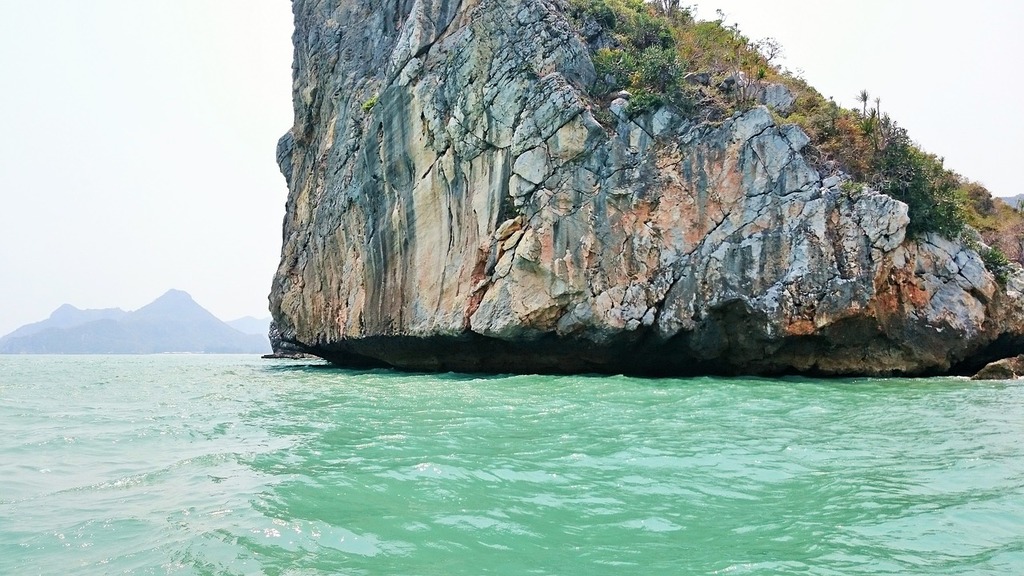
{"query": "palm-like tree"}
[(879, 134), (863, 97)]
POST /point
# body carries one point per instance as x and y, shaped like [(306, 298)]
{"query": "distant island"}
[(173, 323)]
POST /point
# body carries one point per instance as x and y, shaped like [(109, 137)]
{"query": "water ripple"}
[(229, 465)]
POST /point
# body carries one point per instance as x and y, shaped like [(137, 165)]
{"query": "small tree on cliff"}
[(863, 97), (673, 7)]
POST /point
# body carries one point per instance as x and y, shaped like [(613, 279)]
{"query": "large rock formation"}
[(456, 205)]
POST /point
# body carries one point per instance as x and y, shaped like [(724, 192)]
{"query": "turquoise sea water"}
[(234, 465)]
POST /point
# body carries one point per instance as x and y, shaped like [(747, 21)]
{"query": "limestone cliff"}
[(456, 205)]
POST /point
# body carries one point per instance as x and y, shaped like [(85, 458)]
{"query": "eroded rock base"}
[(639, 354)]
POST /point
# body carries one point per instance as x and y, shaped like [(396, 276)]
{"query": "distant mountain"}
[(67, 316), (1013, 200), (173, 322), (251, 325)]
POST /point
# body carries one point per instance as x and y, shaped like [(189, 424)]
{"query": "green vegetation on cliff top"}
[(664, 56)]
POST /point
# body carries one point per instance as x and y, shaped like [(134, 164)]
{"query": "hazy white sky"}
[(138, 136), (137, 152)]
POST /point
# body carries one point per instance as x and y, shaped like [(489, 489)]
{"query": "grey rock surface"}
[(777, 97)]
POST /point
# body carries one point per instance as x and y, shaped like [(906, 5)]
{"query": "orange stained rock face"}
[(675, 216), (902, 289), (638, 251), (800, 327), (479, 280)]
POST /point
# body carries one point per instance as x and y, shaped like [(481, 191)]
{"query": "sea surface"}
[(236, 465)]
